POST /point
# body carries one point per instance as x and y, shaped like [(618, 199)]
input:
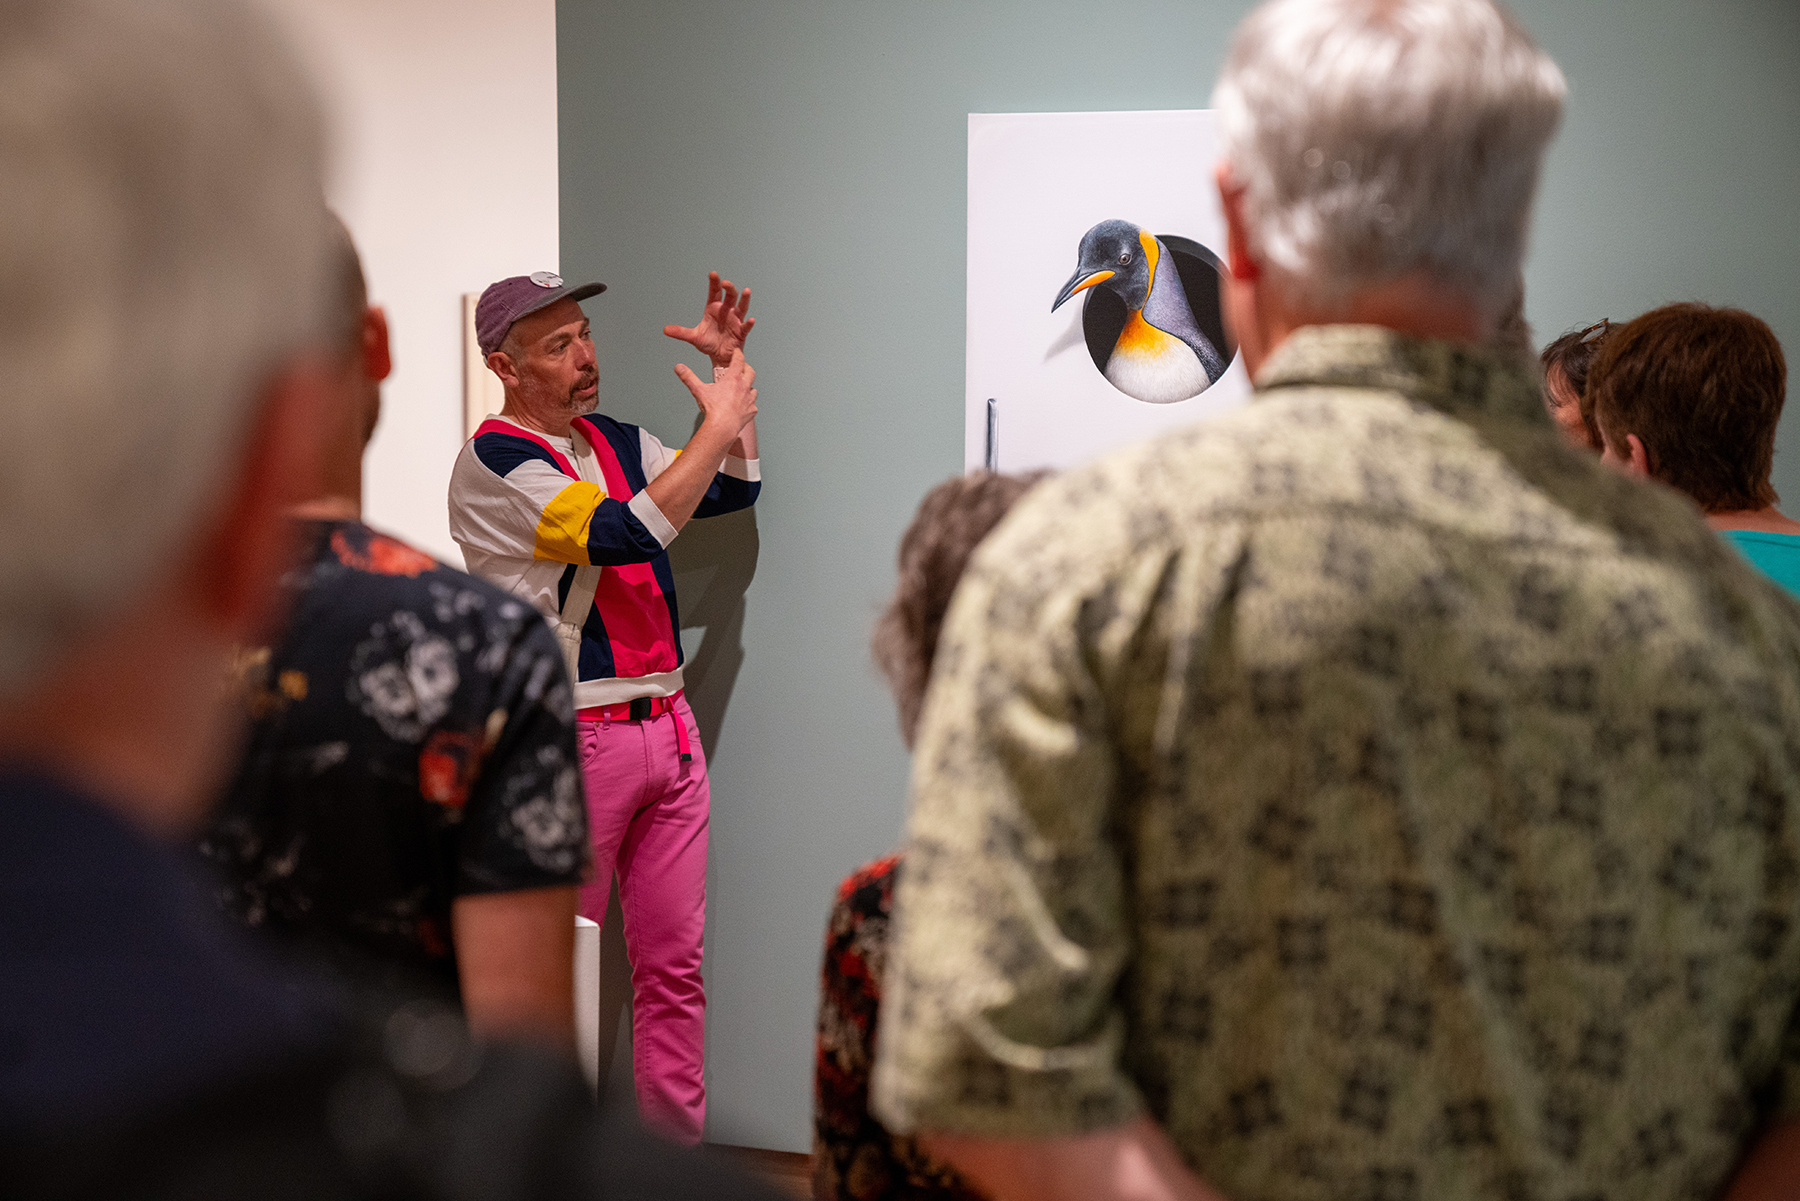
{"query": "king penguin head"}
[(1116, 255)]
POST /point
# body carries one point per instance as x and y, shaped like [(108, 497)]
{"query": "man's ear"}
[(1243, 292), (501, 364), (247, 541), (378, 359), (1237, 238), (1639, 457)]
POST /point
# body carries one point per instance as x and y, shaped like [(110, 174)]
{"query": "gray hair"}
[(1375, 138), (162, 256)]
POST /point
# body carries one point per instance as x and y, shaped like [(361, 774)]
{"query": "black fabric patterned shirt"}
[(412, 741), (1391, 802)]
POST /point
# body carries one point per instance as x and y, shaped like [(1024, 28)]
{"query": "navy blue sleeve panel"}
[(500, 453), (617, 537), (728, 494)]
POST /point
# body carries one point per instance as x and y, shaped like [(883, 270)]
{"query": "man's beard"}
[(577, 405)]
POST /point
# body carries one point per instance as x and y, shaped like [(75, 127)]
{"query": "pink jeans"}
[(647, 811)]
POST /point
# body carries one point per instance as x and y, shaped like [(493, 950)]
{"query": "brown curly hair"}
[(952, 520)]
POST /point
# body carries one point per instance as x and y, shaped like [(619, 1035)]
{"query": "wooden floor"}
[(786, 1171)]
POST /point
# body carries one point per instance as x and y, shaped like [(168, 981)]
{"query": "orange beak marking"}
[(1098, 277)]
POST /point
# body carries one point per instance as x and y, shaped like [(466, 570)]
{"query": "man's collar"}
[(567, 435), (513, 418), (1456, 377)]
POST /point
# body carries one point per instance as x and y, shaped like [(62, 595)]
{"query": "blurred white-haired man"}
[(1361, 795), (163, 259)]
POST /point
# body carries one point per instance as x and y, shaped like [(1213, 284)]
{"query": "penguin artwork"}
[(1161, 355)]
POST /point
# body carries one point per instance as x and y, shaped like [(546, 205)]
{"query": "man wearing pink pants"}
[(573, 510), (654, 831)]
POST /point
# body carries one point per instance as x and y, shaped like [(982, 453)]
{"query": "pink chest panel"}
[(629, 598)]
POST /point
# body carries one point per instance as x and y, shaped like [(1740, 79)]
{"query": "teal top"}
[(1778, 555)]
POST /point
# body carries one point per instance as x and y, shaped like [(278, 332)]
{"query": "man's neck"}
[(328, 508), (1413, 304), (1767, 520)]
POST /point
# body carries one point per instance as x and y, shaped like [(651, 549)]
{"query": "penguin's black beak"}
[(1082, 280)]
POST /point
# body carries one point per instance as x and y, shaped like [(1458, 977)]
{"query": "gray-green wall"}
[(816, 151)]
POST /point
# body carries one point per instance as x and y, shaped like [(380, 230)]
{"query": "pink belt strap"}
[(642, 708)]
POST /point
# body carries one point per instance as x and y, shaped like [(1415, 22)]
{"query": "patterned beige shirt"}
[(1394, 803)]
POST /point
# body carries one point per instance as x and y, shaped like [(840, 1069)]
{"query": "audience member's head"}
[(1567, 362), (357, 336), (1691, 395), (162, 278), (1380, 156), (952, 520), (358, 330)]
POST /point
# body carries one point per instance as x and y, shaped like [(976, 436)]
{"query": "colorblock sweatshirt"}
[(557, 520)]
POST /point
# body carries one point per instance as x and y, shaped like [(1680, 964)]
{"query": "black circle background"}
[(1103, 313)]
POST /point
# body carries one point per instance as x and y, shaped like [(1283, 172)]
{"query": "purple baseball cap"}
[(516, 296)]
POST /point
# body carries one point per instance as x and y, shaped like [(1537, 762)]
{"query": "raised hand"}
[(723, 326), (730, 399), (728, 405)]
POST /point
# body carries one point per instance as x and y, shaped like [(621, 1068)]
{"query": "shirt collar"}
[(1460, 379), (560, 441)]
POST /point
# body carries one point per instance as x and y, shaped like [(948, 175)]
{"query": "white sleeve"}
[(652, 517), (748, 470)]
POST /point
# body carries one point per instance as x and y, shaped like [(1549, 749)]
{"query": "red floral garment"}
[(854, 1156)]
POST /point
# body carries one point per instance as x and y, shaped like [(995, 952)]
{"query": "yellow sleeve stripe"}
[(562, 532)]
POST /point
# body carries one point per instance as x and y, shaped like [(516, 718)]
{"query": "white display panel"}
[(1039, 182)]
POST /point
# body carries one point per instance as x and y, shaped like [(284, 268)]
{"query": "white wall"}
[(444, 120)]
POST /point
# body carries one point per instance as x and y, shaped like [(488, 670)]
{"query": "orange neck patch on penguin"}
[(1140, 339)]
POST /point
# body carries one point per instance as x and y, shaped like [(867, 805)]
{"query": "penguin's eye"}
[(1125, 258)]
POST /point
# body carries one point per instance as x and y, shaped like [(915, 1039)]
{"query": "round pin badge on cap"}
[(546, 279)]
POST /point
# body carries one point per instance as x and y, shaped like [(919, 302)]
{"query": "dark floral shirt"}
[(854, 1156), (411, 741)]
